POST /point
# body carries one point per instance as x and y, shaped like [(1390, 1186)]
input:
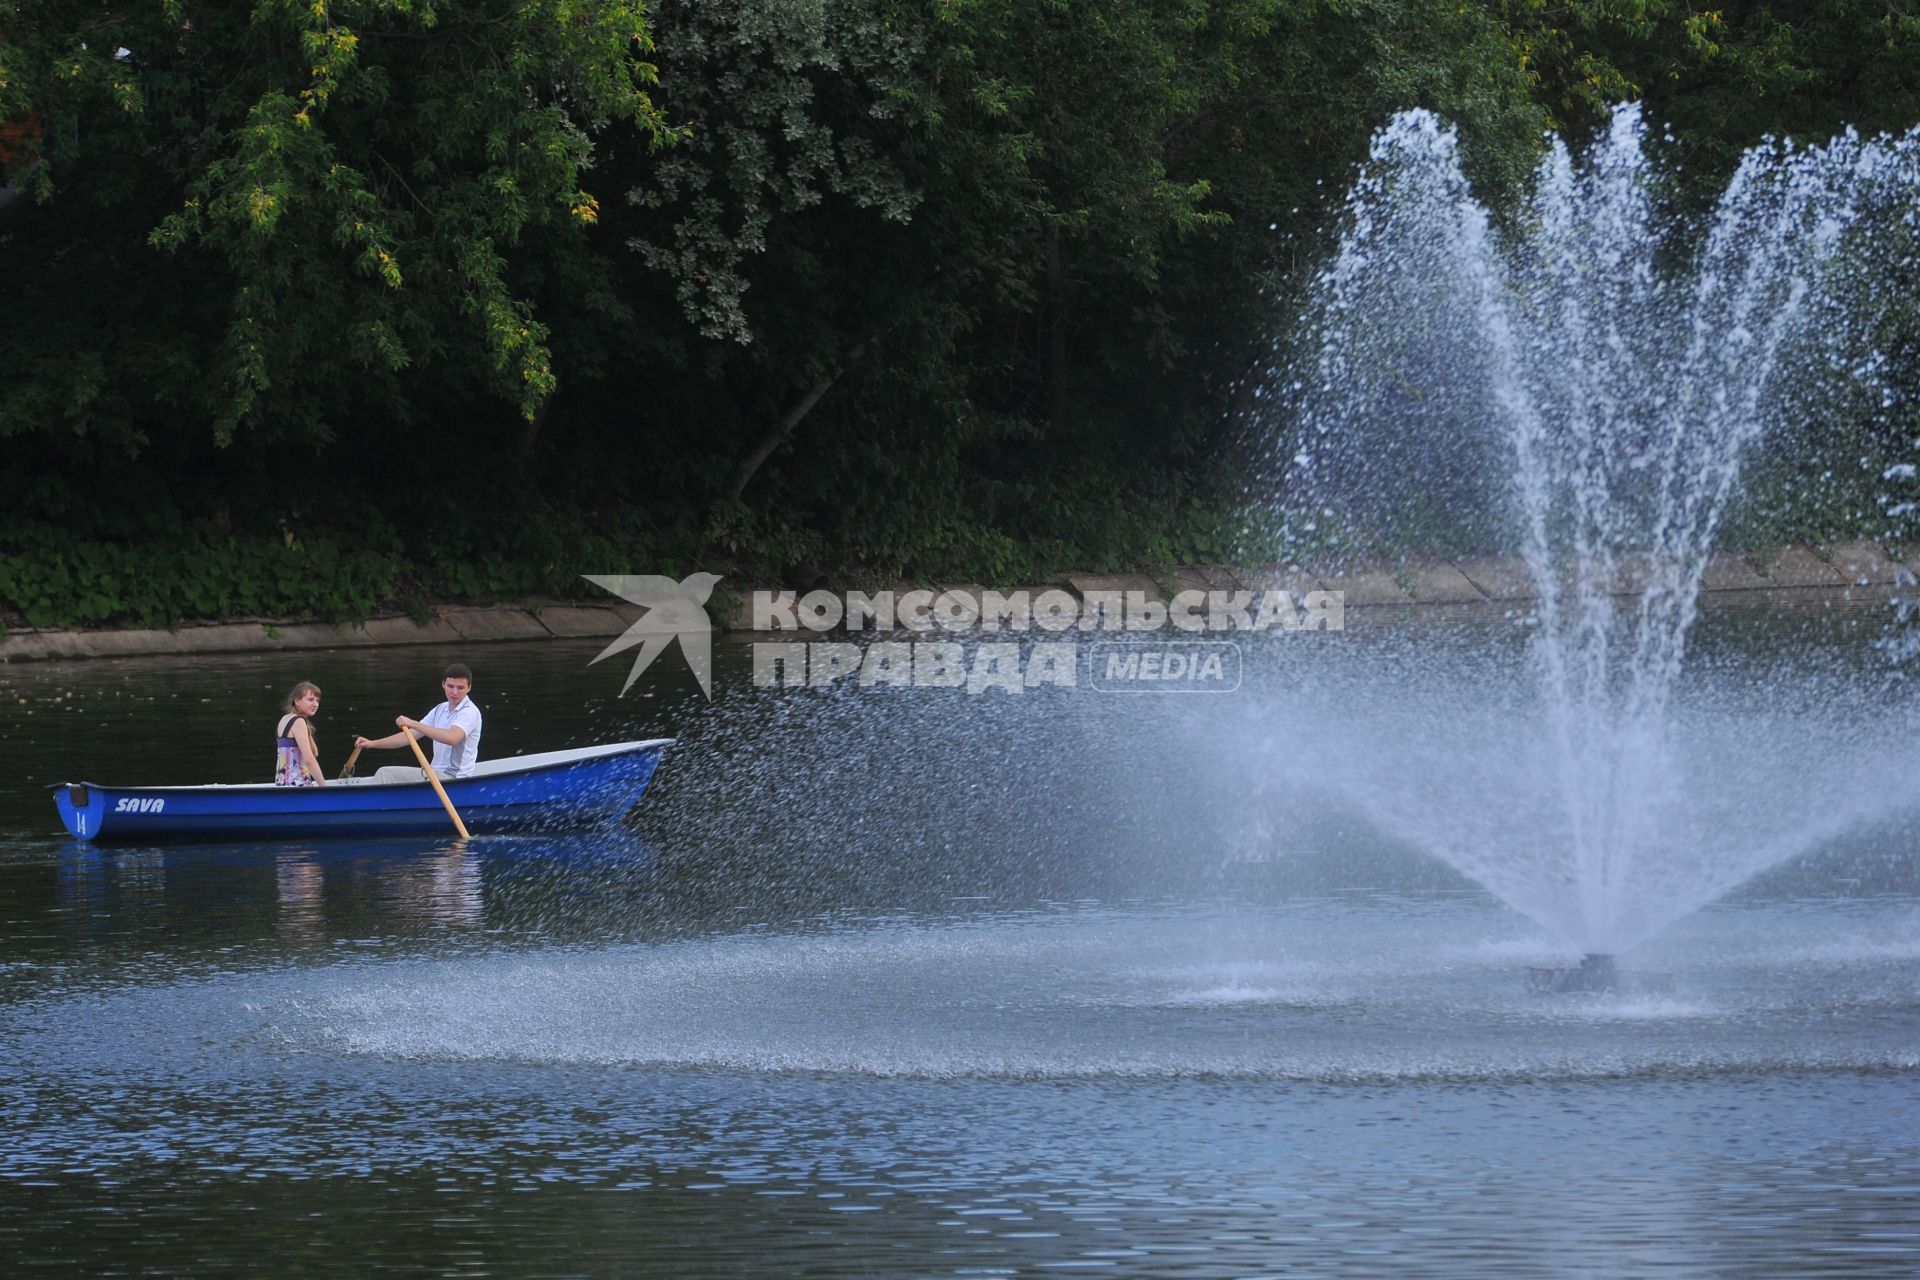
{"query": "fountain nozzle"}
[(1596, 974)]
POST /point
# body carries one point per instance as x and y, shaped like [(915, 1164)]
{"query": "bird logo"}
[(674, 610)]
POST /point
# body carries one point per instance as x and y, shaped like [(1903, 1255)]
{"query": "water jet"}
[(1577, 391)]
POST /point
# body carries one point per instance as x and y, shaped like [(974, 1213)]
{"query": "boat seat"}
[(399, 773)]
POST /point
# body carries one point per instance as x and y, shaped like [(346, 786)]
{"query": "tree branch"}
[(799, 407)]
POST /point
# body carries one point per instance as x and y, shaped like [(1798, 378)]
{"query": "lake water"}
[(885, 982)]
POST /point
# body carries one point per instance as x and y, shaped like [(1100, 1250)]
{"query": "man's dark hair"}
[(458, 671)]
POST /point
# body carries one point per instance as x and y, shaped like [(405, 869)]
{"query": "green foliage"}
[(203, 574), (971, 290), (788, 104), (350, 185), (1722, 75), (758, 539)]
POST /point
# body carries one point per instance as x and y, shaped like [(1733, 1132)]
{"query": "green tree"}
[(260, 217), (944, 263), (1722, 74)]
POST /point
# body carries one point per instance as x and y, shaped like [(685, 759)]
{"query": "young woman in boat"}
[(453, 727), (297, 764)]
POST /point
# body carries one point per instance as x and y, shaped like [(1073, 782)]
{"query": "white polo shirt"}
[(455, 762)]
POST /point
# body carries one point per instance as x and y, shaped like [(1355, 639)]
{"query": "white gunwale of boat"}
[(486, 768)]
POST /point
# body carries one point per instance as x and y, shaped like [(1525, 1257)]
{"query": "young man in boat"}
[(453, 727)]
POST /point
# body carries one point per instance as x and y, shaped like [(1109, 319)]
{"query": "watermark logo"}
[(1183, 666), (932, 657), (674, 611), (925, 664), (962, 609)]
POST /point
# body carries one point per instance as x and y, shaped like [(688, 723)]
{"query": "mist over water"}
[(1580, 391)]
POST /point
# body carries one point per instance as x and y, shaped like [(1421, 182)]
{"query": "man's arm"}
[(452, 736)]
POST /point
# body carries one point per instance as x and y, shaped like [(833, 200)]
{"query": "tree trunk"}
[(1056, 331), (530, 433), (800, 406)]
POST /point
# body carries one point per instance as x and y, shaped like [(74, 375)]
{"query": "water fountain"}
[(1579, 391)]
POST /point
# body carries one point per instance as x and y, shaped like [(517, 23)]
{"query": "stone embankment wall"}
[(1779, 576)]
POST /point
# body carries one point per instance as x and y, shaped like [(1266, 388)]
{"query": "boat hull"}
[(558, 791)]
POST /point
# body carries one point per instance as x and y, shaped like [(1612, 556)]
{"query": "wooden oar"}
[(434, 778), (346, 770)]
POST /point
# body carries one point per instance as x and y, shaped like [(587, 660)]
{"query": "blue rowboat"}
[(556, 790)]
